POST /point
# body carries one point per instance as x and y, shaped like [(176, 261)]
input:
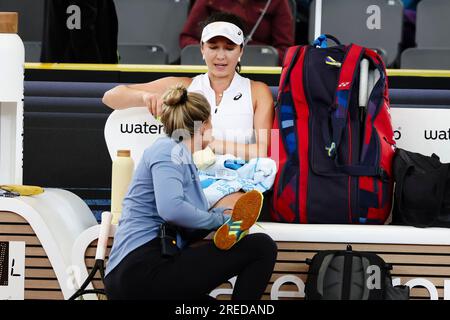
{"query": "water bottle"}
[(122, 172)]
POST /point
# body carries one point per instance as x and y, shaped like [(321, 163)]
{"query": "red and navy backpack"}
[(334, 157)]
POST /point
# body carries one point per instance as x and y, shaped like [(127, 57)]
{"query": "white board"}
[(423, 130), (12, 270), (132, 129)]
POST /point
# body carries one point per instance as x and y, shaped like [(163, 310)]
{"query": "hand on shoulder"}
[(153, 102), (152, 92)]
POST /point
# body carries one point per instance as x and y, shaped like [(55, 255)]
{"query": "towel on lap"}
[(230, 174)]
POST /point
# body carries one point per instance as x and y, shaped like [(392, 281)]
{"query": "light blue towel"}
[(219, 180)]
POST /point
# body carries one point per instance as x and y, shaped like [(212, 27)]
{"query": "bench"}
[(420, 257), (47, 226)]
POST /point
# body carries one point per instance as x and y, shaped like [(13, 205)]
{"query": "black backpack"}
[(422, 190), (351, 275)]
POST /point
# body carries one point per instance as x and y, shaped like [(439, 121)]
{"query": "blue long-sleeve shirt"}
[(165, 188)]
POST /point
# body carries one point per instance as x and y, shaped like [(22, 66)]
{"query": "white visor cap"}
[(224, 29)]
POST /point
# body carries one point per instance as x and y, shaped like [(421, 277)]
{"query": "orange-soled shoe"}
[(245, 213)]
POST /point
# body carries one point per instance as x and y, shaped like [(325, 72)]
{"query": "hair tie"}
[(184, 97)]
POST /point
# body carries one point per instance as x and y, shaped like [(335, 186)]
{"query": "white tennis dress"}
[(232, 119)]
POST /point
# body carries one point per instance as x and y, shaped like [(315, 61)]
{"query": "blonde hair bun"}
[(180, 110), (175, 96)]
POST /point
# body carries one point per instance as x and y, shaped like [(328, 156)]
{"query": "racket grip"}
[(363, 82), (103, 236)]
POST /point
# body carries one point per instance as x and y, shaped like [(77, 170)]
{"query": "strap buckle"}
[(331, 150), (321, 41)]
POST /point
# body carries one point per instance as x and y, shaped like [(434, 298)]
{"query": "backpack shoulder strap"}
[(289, 60), (289, 55), (317, 269), (347, 77), (284, 106)]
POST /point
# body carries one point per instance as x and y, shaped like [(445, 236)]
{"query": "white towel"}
[(219, 181)]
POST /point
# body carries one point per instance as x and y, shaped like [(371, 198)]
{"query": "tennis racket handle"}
[(103, 235), (363, 82)]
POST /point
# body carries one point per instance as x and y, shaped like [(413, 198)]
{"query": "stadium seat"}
[(254, 55), (258, 55), (141, 54), (433, 24), (31, 17), (191, 55), (354, 21), (32, 51), (423, 58), (156, 21)]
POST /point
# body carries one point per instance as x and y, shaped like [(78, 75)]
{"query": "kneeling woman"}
[(165, 191)]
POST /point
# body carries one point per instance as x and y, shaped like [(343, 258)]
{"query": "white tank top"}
[(232, 119)]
